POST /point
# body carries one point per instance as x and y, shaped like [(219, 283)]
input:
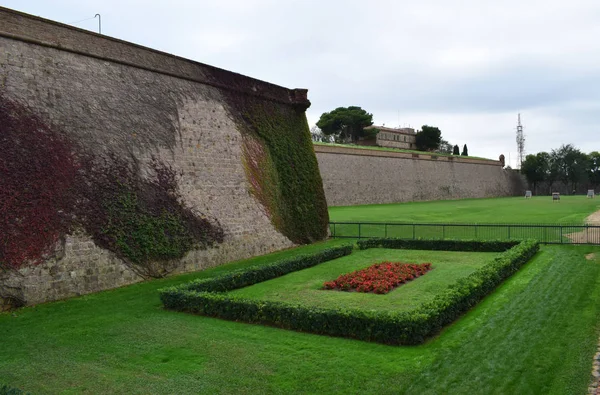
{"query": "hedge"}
[(438, 245), (246, 277), (6, 390), (209, 298)]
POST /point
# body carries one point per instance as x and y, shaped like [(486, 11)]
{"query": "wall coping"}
[(338, 150), (32, 29)]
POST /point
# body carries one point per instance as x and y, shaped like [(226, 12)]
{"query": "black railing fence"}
[(544, 233)]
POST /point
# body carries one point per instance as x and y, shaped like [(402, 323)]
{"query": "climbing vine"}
[(50, 187), (38, 169), (281, 166), (143, 220)]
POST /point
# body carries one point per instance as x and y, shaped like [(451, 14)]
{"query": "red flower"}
[(380, 278)]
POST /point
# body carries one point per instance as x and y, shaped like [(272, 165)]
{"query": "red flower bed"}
[(380, 278)]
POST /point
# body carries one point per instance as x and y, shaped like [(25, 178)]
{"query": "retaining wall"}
[(353, 176), (108, 95)]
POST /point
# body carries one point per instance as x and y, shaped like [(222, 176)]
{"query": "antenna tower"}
[(520, 142)]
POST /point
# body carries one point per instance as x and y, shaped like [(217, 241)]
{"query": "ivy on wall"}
[(50, 187), (38, 171), (300, 210), (280, 162), (143, 220)]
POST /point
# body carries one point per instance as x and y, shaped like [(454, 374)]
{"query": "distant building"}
[(404, 138)]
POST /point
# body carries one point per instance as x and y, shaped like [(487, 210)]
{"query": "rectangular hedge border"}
[(209, 297)]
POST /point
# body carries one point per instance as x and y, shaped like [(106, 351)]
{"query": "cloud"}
[(467, 66)]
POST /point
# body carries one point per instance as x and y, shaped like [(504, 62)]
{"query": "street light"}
[(99, 23)]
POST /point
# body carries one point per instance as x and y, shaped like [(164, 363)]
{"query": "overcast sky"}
[(467, 66)]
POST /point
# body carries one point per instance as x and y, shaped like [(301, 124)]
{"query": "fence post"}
[(359, 230), (334, 230), (561, 238), (508, 232), (386, 231), (443, 231), (413, 231)]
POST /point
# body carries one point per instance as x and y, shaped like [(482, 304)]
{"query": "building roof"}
[(409, 131)]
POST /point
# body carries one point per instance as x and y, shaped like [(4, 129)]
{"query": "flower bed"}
[(210, 297), (380, 278)]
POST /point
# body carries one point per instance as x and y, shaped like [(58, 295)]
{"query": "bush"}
[(6, 390), (207, 297), (438, 245), (247, 277)]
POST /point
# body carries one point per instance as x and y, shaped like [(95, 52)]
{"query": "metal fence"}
[(544, 233)]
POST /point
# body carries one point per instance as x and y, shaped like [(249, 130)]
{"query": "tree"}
[(594, 168), (346, 123), (535, 168), (456, 150), (428, 138), (445, 147), (572, 165), (465, 151), (317, 135)]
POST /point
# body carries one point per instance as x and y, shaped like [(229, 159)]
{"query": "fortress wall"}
[(353, 176), (109, 95)]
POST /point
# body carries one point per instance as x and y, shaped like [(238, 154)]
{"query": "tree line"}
[(347, 125), (566, 170)]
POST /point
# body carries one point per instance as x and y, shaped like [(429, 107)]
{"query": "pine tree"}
[(465, 151), (456, 150)]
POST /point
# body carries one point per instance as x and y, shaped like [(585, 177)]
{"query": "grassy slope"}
[(305, 286), (539, 209), (536, 334), (408, 151)]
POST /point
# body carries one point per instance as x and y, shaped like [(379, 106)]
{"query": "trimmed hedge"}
[(411, 327), (438, 245), (6, 390), (246, 277)]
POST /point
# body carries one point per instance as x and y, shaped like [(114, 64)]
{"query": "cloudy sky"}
[(466, 66)]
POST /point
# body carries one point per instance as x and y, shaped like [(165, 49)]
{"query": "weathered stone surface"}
[(106, 94), (354, 176)]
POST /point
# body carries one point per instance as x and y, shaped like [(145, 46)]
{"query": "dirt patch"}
[(590, 257), (593, 219), (590, 235)]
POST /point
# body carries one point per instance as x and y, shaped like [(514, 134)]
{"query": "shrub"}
[(246, 277), (438, 245), (208, 298), (6, 390)]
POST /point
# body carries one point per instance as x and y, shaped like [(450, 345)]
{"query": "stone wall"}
[(110, 95), (353, 176)]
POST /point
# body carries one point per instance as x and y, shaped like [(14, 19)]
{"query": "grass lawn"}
[(539, 209), (305, 286), (377, 148), (536, 334)]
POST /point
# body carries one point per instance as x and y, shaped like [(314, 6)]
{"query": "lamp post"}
[(99, 23)]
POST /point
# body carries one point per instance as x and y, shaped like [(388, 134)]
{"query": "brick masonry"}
[(354, 176), (106, 94)]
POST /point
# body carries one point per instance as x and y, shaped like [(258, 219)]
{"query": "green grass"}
[(406, 151), (305, 286), (539, 209), (536, 334)]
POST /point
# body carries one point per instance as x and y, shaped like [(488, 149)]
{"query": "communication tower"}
[(520, 142)]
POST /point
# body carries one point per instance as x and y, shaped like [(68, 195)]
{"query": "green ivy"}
[(288, 177), (143, 220)]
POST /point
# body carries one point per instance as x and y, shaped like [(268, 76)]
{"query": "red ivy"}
[(380, 278), (37, 173)]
